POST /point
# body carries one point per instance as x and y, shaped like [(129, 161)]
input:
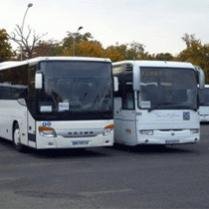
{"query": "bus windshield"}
[(168, 88), (204, 97), (75, 87)]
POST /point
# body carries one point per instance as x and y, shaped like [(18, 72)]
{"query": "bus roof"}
[(149, 63), (10, 64)]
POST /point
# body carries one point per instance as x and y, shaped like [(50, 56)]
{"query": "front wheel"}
[(16, 139)]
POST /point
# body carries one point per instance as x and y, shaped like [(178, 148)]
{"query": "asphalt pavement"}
[(110, 178)]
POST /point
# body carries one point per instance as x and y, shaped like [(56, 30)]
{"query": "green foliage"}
[(195, 52), (72, 40), (132, 51), (90, 49), (164, 57), (47, 48), (116, 53), (85, 45), (5, 47)]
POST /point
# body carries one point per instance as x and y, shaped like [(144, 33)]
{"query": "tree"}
[(5, 47), (26, 43), (130, 51), (72, 40), (134, 51), (48, 48), (164, 56), (195, 52), (90, 49), (116, 52)]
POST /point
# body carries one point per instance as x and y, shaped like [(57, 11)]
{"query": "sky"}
[(158, 24)]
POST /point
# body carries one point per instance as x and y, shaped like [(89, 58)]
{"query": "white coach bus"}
[(204, 104), (57, 102), (156, 102)]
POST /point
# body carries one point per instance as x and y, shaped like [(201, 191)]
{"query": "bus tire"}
[(16, 138)]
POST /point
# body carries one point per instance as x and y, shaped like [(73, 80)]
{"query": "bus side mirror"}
[(201, 77), (39, 81), (116, 84), (136, 80)]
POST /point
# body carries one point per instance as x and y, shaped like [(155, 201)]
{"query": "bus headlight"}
[(194, 131), (46, 131), (146, 132), (108, 129)]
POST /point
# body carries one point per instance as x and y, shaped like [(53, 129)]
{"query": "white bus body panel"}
[(167, 127), (70, 134), (204, 113), (11, 111)]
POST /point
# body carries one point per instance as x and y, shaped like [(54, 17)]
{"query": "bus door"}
[(125, 115)]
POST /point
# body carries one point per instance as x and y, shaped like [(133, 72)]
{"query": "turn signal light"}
[(110, 126), (108, 129), (46, 131)]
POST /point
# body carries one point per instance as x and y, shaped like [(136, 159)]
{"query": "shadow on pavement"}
[(153, 149), (6, 145), (100, 152), (71, 153)]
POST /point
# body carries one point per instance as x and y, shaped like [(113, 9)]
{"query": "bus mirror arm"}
[(38, 81)]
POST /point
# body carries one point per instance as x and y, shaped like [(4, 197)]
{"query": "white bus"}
[(204, 104), (156, 102), (57, 102)]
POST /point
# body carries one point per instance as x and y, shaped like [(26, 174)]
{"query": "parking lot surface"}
[(111, 178)]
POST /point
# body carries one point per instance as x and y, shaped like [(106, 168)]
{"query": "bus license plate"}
[(80, 142), (172, 141)]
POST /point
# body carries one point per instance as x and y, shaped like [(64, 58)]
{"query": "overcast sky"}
[(158, 24)]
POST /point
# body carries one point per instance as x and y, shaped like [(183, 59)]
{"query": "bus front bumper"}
[(168, 137), (74, 134), (60, 142)]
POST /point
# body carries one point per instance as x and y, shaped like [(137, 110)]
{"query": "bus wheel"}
[(16, 138)]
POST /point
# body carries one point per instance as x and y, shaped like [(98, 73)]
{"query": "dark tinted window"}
[(204, 96), (168, 88), (73, 88), (128, 97), (13, 83)]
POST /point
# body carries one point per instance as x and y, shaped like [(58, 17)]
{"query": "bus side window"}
[(128, 98)]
